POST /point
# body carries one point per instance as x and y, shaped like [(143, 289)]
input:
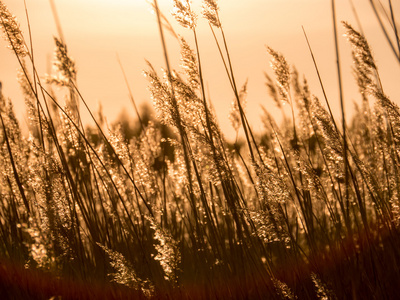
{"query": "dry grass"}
[(172, 210)]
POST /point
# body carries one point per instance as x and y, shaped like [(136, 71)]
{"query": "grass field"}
[(168, 208)]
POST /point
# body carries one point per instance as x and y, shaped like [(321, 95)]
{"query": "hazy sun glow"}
[(96, 30)]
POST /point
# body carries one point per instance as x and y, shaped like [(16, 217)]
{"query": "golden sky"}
[(96, 30)]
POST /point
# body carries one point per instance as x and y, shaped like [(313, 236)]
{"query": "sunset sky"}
[(97, 30)]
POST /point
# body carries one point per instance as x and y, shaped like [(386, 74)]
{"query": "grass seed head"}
[(63, 63), (364, 64), (282, 73), (361, 49), (283, 290), (183, 14), (12, 31), (167, 252), (210, 12), (189, 64), (125, 274)]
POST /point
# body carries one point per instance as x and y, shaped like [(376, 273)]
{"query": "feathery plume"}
[(189, 64), (125, 274), (360, 46), (327, 128), (210, 12), (392, 112), (12, 31), (283, 290), (282, 73), (168, 253), (183, 13), (364, 64), (164, 102), (63, 63)]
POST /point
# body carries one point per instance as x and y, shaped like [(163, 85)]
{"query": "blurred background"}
[(97, 30)]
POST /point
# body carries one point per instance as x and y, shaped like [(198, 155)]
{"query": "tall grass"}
[(306, 210)]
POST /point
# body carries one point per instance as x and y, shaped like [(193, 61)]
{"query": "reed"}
[(171, 209)]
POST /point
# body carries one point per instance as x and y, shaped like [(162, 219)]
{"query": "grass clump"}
[(306, 210)]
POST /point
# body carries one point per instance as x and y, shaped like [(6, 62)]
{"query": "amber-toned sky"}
[(96, 30)]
